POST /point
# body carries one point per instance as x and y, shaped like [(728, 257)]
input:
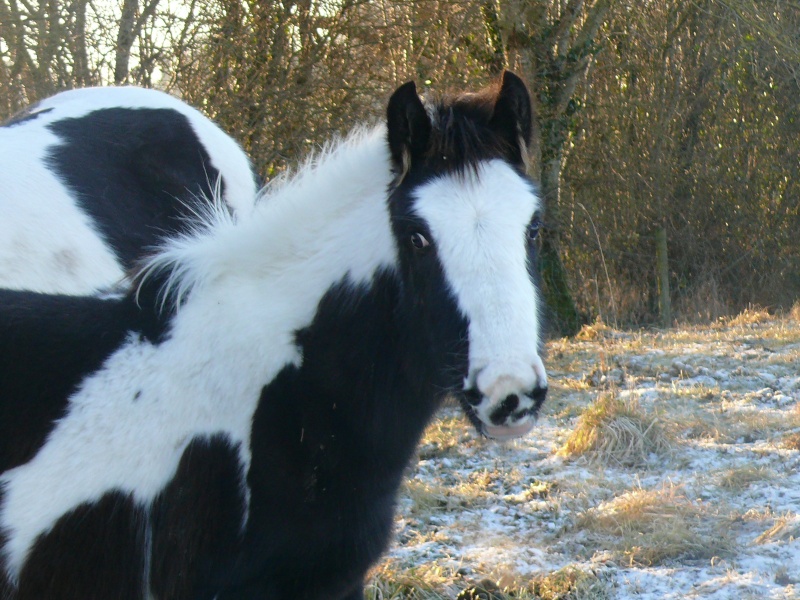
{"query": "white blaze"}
[(479, 222)]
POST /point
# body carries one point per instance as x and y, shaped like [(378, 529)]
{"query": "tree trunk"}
[(552, 46), (125, 37), (82, 74), (563, 315), (129, 28)]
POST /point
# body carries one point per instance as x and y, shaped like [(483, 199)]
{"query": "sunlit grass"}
[(470, 491), (427, 497), (617, 431), (749, 316), (389, 582), (650, 527), (425, 582), (569, 583), (794, 314), (790, 441), (602, 491), (742, 477), (445, 435), (785, 528)]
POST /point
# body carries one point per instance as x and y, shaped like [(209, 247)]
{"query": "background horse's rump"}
[(93, 178)]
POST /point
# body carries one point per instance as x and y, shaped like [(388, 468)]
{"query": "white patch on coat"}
[(47, 242), (479, 223), (252, 283)]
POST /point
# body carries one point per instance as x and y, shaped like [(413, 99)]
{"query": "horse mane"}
[(291, 212), (168, 266), (461, 136)]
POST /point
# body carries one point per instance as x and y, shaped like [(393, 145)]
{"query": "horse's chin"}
[(503, 433)]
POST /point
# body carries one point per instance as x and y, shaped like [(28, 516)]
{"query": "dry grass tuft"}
[(740, 478), (785, 529), (790, 441), (570, 583), (472, 490), (618, 431), (444, 436), (596, 331), (426, 582), (430, 497), (751, 425), (744, 426), (794, 314), (436, 583), (753, 315), (650, 527)]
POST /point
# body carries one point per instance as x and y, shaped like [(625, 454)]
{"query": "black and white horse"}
[(90, 178), (239, 424)]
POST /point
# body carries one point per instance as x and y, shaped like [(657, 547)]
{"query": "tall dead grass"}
[(794, 313), (650, 527), (618, 431), (785, 528), (435, 583), (426, 582)]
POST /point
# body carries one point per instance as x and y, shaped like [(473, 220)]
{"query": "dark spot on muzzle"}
[(506, 408), (473, 396), (508, 412)]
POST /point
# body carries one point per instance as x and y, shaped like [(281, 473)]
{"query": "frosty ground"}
[(664, 465)]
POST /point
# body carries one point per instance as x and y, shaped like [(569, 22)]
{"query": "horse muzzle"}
[(515, 416), (504, 406)]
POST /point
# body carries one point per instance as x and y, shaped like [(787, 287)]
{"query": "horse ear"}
[(408, 125), (513, 117)]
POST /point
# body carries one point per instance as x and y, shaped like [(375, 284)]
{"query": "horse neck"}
[(250, 285), (353, 409), (372, 334)]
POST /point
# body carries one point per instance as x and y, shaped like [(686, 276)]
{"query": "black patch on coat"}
[(332, 439), (48, 345), (5, 584), (135, 172), (197, 521), (96, 551)]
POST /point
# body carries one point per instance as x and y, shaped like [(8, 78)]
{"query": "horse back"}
[(94, 179)]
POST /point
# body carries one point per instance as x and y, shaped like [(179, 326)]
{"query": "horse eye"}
[(419, 241), (533, 228)]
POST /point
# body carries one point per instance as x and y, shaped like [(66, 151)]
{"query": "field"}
[(665, 465)]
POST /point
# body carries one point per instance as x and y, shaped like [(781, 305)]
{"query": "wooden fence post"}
[(662, 270)]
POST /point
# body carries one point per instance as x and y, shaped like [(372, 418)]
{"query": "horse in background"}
[(94, 177)]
